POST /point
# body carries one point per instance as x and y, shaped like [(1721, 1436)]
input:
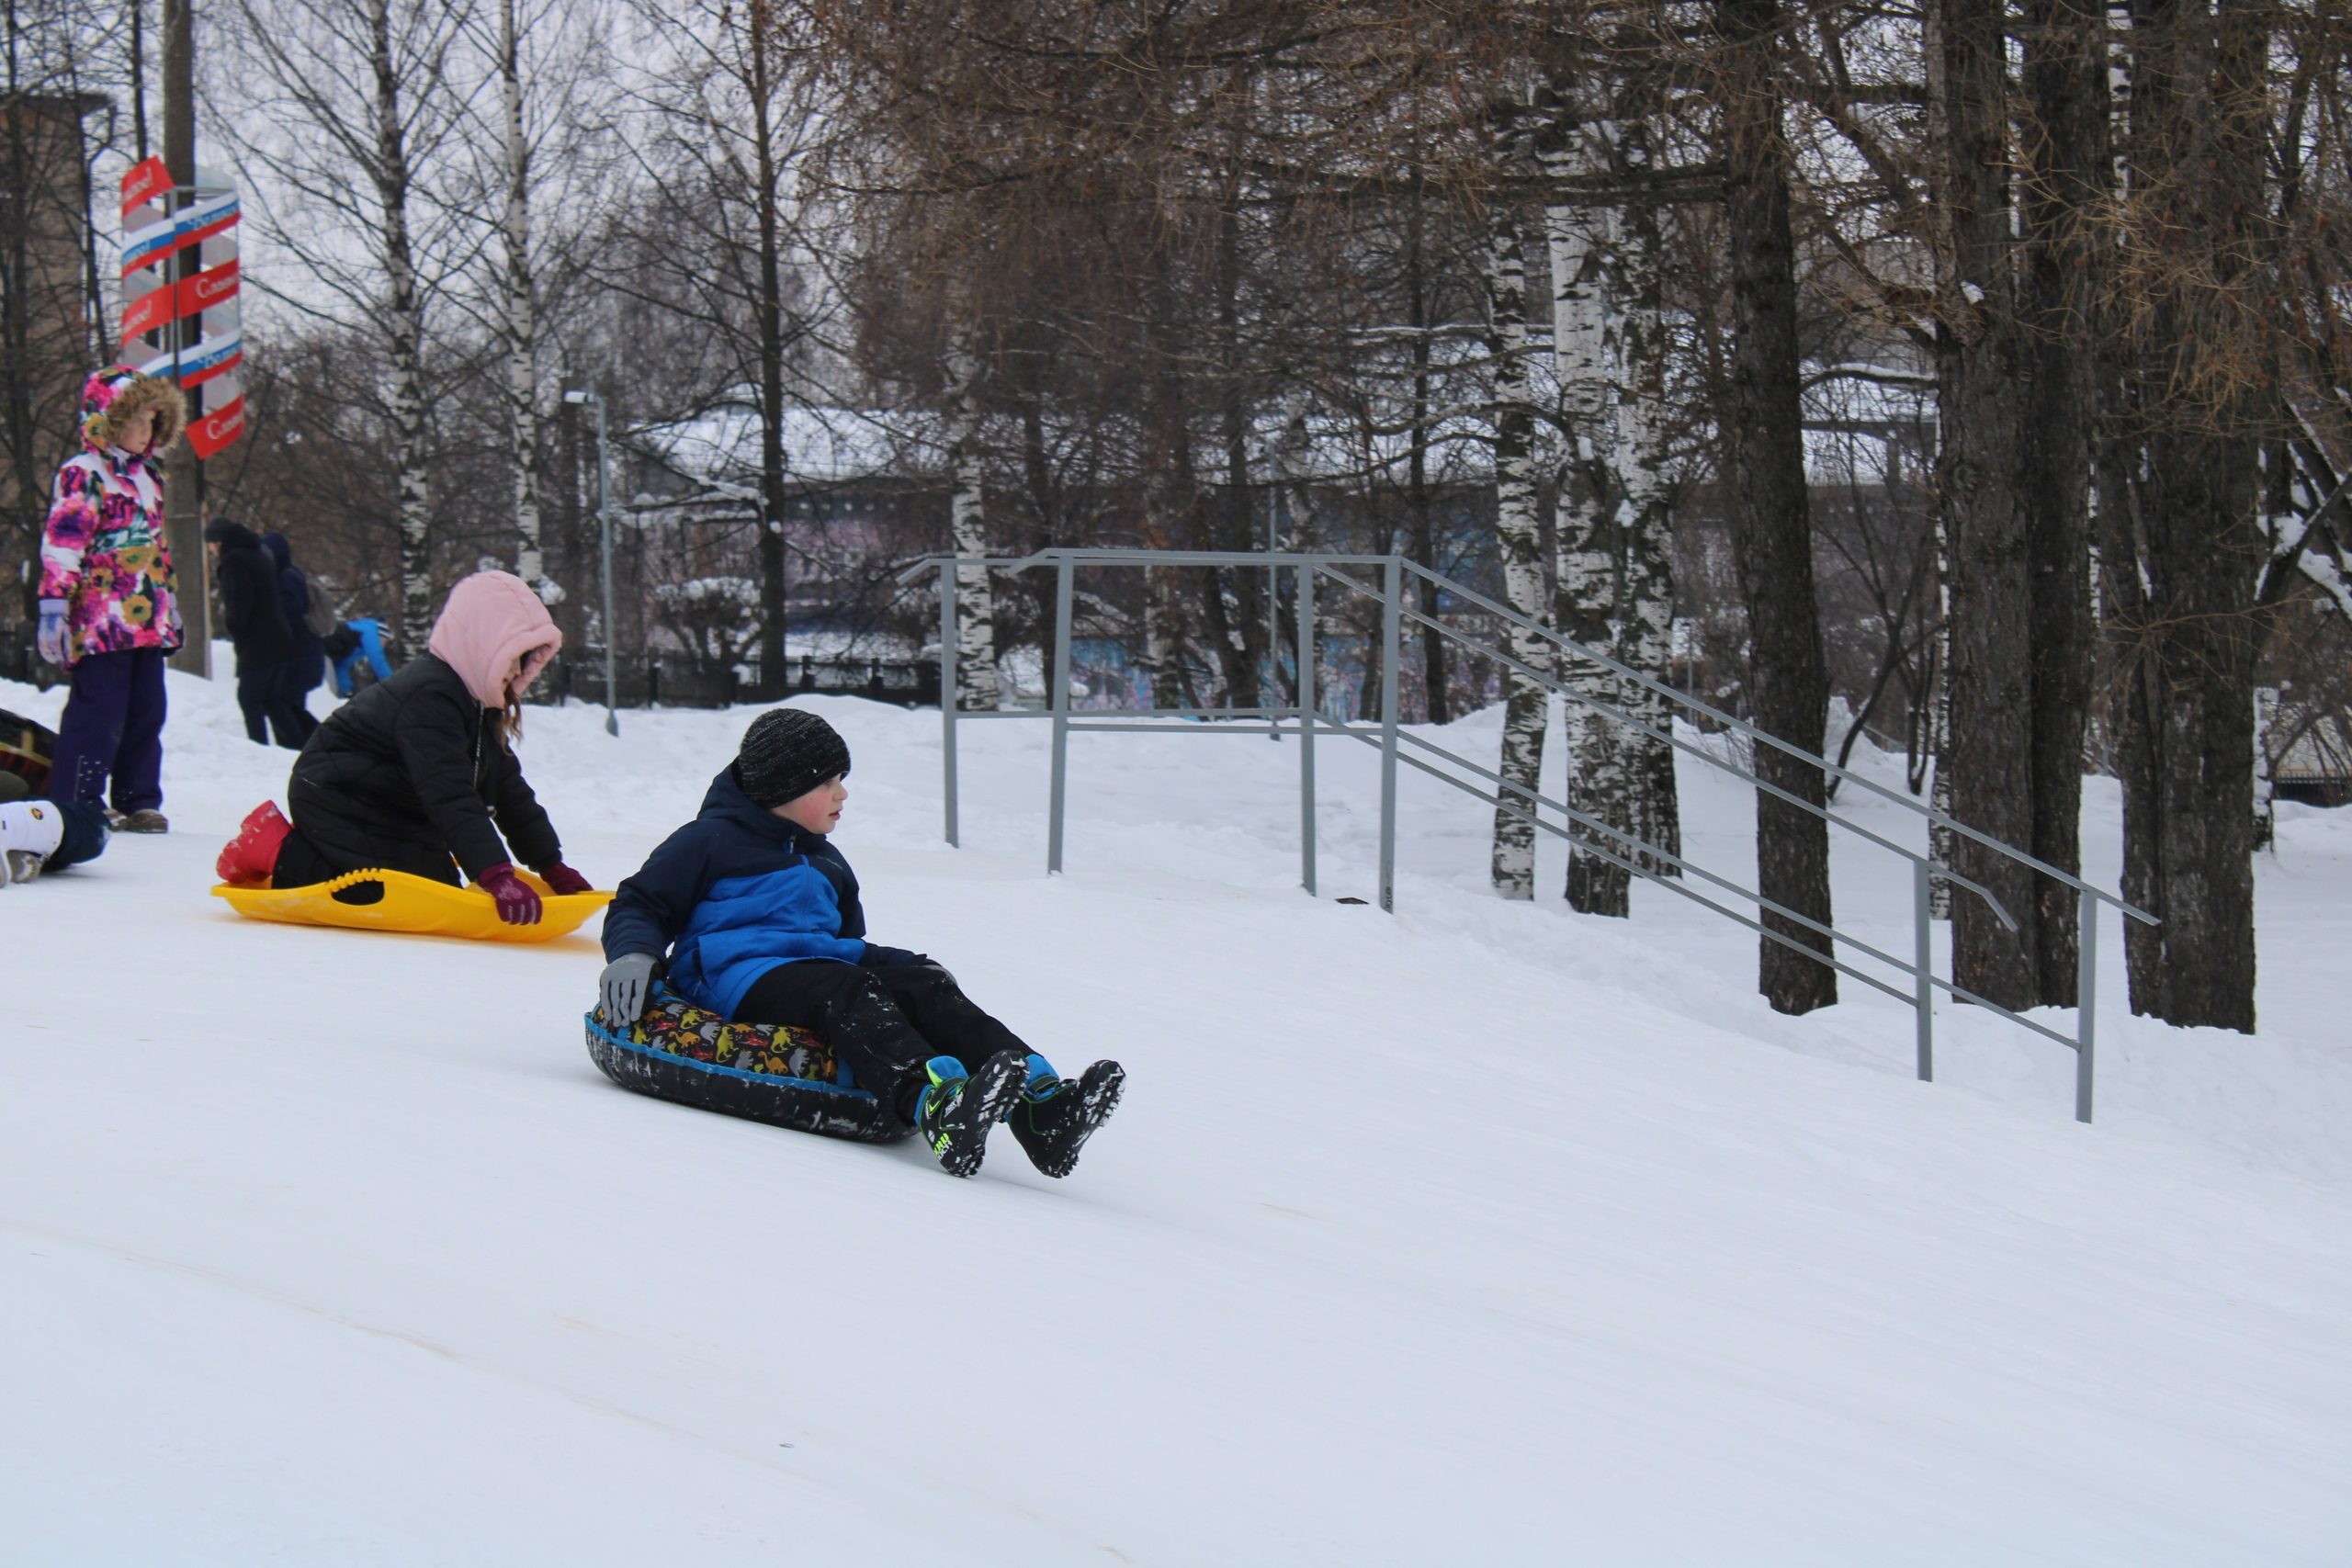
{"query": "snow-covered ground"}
[(1482, 1233)]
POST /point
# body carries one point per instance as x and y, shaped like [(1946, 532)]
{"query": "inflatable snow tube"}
[(415, 905), (775, 1074)]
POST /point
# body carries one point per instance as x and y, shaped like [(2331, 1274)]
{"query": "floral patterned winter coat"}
[(103, 548)]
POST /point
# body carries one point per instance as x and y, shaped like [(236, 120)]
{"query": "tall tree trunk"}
[(1977, 368), (2068, 176), (404, 329), (1294, 508), (1526, 702), (976, 674), (1586, 592), (1239, 593), (1421, 527), (2188, 562), (1645, 543), (773, 629), (1763, 427), (522, 329)]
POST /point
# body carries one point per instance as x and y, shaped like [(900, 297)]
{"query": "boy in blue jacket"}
[(758, 917)]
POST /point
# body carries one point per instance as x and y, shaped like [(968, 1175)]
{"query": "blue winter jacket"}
[(736, 892)]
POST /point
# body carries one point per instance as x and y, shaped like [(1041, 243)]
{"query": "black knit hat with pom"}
[(786, 753)]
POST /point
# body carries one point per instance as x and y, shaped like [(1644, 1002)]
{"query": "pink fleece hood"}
[(491, 619)]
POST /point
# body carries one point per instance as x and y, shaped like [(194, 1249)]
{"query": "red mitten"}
[(517, 903), (250, 858), (563, 879)]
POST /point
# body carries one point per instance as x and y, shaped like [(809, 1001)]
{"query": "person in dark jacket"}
[(756, 916), (254, 619), (417, 774), (308, 670)]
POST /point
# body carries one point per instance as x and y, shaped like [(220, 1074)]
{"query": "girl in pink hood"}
[(417, 774)]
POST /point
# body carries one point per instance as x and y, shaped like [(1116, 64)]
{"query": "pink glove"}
[(517, 903), (563, 879)]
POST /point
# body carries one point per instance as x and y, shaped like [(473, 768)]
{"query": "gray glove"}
[(625, 981)]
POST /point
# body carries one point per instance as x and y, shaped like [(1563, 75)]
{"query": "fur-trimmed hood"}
[(113, 397)]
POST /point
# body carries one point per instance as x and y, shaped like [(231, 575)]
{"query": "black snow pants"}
[(885, 1022)]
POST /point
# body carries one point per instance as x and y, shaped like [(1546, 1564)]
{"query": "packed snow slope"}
[(1480, 1234)]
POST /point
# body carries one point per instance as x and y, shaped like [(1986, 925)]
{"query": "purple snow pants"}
[(113, 724)]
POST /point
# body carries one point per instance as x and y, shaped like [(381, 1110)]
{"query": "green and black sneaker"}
[(957, 1109), (1055, 1117)]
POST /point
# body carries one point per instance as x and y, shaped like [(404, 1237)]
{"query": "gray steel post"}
[(949, 697), (1063, 573), (2086, 1000), (1306, 701), (1392, 580), (1922, 957)]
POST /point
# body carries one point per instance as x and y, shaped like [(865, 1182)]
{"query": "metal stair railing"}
[(1589, 834)]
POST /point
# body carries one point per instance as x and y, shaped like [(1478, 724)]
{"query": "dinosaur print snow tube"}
[(771, 1073)]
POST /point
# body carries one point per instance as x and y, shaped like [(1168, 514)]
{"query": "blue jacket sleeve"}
[(650, 908)]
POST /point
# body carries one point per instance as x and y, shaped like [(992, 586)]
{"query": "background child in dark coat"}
[(252, 614), (759, 917), (295, 596)]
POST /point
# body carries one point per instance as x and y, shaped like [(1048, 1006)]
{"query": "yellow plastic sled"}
[(415, 904)]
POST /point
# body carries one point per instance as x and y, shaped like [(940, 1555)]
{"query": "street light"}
[(605, 535)]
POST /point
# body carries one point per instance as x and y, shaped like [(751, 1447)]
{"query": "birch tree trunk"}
[(404, 335), (522, 329), (1526, 702), (1585, 594), (976, 674), (1638, 464)]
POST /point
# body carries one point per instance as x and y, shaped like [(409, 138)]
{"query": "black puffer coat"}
[(405, 775), (251, 611)]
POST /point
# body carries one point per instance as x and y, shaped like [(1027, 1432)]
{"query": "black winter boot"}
[(1055, 1117), (955, 1110)]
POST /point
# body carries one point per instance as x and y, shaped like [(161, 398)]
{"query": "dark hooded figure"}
[(254, 619), (294, 596)]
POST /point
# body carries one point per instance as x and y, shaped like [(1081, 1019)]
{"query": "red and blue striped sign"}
[(158, 230)]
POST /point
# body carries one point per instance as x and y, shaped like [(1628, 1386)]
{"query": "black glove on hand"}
[(626, 982)]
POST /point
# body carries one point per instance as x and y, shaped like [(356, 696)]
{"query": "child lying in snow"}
[(47, 835), (758, 914)]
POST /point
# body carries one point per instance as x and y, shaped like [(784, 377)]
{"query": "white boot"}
[(31, 831)]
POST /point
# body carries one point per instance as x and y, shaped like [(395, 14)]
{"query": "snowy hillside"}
[(1483, 1234)]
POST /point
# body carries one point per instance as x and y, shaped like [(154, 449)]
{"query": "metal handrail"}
[(1368, 736), (1809, 758), (1555, 684), (1627, 850)]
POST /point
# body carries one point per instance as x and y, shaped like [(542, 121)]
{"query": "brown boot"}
[(147, 820)]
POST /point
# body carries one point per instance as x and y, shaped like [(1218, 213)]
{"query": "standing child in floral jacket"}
[(109, 610), (759, 915)]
